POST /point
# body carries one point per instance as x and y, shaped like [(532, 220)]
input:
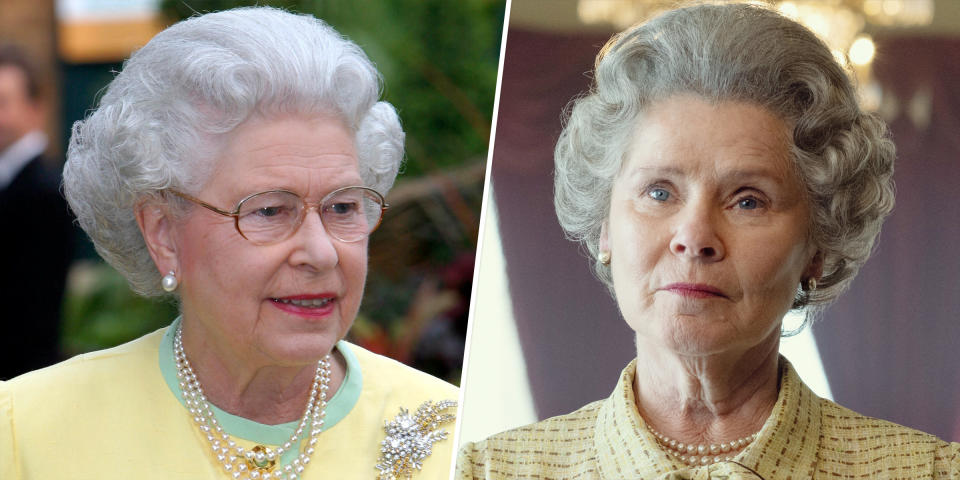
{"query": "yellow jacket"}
[(114, 414)]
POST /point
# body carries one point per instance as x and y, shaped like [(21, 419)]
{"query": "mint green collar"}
[(337, 407)]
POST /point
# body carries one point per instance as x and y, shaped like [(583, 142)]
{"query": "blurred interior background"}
[(439, 61), (887, 348)]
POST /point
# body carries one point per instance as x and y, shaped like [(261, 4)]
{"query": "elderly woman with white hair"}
[(720, 173), (238, 164)]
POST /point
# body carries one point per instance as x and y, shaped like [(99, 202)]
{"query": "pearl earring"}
[(811, 284), (604, 257), (169, 282)]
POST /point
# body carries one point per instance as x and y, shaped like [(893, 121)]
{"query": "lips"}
[(306, 305), (694, 290)]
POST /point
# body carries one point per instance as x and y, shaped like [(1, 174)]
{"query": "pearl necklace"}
[(258, 463), (700, 454)]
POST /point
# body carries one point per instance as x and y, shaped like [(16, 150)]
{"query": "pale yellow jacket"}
[(113, 415), (804, 437)]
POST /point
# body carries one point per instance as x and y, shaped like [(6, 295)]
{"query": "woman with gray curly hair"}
[(238, 165), (720, 173)]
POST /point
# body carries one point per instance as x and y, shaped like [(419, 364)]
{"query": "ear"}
[(157, 226), (815, 267), (604, 242)]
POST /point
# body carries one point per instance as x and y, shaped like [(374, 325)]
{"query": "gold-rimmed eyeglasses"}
[(349, 214)]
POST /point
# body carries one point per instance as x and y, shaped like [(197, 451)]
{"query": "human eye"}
[(342, 208), (272, 211), (657, 192), (270, 215), (272, 206), (751, 201)]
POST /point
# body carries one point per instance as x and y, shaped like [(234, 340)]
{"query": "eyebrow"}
[(735, 174), (657, 171), (754, 173)]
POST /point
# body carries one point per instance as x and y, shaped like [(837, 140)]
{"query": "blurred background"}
[(548, 338), (439, 62)]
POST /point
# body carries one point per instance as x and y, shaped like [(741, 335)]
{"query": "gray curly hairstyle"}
[(737, 52), (158, 124)]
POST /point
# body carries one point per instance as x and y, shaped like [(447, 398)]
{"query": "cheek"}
[(353, 268), (199, 236), (636, 252), (353, 265), (636, 247), (217, 257), (773, 274)]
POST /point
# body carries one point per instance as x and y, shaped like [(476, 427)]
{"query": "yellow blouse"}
[(804, 437), (112, 415)]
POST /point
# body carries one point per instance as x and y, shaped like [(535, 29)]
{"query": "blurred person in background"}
[(236, 165), (36, 239)]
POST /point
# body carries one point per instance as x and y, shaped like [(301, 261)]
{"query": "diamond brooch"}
[(410, 439)]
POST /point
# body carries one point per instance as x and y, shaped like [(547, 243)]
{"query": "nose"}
[(314, 249), (695, 235)]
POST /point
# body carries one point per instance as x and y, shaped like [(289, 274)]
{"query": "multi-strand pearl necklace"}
[(258, 463), (699, 454)]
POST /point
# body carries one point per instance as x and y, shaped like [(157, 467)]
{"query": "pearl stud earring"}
[(604, 257), (169, 282)]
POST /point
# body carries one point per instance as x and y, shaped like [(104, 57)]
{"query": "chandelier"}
[(839, 23)]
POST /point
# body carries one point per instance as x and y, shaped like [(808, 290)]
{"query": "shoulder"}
[(389, 377), (40, 175), (577, 426), (878, 447), (7, 465), (558, 447), (38, 184), (71, 408), (85, 372)]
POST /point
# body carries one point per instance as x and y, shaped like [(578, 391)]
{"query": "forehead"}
[(686, 133), (310, 156)]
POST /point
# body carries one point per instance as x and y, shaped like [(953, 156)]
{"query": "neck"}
[(710, 398), (255, 390)]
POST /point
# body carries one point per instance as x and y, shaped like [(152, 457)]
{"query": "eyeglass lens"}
[(348, 215)]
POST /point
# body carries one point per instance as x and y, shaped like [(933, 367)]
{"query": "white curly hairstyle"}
[(736, 52), (160, 121)]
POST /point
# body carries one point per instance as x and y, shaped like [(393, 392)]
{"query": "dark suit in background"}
[(36, 238)]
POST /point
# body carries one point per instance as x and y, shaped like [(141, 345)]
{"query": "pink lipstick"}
[(694, 290)]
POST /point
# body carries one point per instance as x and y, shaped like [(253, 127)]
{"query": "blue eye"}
[(748, 203), (268, 211), (274, 211), (659, 194), (342, 208)]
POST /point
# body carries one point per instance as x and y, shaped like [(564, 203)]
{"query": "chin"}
[(300, 350), (694, 337)]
